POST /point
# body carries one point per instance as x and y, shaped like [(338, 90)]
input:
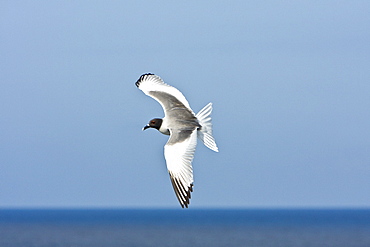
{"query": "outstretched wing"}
[(179, 153), (168, 96)]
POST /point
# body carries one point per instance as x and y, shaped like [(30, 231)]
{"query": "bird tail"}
[(205, 132)]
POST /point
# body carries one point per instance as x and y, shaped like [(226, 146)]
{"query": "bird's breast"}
[(164, 127), (164, 131)]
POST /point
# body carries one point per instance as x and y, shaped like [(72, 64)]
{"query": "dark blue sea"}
[(191, 227)]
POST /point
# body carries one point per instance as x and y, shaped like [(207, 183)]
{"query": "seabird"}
[(183, 126)]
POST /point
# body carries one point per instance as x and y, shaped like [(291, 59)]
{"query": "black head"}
[(154, 123)]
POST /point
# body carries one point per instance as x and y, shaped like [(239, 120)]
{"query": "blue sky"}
[(289, 82)]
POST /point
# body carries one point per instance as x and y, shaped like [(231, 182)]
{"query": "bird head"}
[(154, 123)]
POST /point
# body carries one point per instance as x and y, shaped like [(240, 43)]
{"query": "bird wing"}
[(179, 153), (168, 96)]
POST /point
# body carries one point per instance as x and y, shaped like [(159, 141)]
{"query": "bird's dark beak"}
[(146, 127)]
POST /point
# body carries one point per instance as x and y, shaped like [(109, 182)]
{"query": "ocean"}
[(184, 227)]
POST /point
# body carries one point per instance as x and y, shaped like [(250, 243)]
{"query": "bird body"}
[(183, 126)]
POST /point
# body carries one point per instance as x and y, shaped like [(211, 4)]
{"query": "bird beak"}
[(146, 127)]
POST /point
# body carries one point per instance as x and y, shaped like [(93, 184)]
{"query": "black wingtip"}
[(182, 194), (142, 77)]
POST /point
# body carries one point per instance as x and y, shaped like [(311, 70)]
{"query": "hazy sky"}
[(289, 82)]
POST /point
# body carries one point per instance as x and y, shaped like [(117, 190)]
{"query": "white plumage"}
[(184, 127)]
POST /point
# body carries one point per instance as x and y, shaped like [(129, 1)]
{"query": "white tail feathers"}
[(205, 132)]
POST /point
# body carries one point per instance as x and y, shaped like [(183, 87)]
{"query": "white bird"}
[(183, 126)]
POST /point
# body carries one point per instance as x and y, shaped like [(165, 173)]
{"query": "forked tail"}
[(205, 132)]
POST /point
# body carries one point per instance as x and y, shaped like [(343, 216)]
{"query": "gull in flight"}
[(183, 126)]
